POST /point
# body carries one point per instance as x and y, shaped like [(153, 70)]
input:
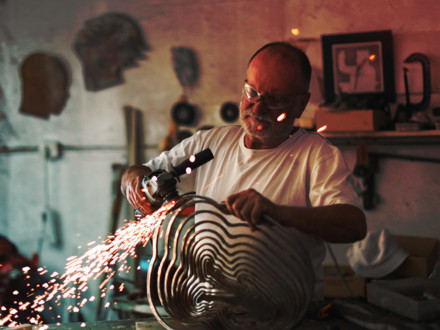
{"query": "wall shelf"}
[(384, 137)]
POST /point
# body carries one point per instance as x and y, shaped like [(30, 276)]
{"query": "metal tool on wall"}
[(229, 112), (135, 155), (406, 111), (183, 113), (365, 169), (50, 150), (135, 135)]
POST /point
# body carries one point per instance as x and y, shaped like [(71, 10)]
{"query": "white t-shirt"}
[(304, 170)]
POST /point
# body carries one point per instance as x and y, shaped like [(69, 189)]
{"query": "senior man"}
[(268, 166)]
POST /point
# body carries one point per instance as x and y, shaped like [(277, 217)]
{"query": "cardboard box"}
[(423, 255), (417, 298), (334, 286), (350, 120)]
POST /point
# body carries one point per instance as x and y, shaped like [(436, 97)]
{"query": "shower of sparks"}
[(98, 261)]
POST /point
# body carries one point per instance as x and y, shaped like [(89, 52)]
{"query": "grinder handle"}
[(193, 162)]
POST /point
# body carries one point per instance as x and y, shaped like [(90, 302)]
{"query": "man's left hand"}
[(249, 205)]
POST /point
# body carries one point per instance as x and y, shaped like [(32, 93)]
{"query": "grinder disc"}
[(184, 113), (229, 112)]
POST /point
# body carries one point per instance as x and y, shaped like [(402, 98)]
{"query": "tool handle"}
[(193, 162)]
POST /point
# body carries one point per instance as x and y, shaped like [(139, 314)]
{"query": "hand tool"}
[(160, 185)]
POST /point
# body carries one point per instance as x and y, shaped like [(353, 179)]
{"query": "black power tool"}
[(160, 185)]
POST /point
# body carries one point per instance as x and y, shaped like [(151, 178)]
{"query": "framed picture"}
[(359, 66)]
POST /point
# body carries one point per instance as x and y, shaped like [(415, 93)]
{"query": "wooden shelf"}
[(385, 137)]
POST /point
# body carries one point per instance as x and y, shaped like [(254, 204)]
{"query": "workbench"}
[(152, 324), (348, 314)]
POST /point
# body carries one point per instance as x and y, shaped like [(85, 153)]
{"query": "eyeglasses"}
[(272, 101)]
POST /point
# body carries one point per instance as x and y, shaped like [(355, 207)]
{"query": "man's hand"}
[(131, 187), (249, 205), (337, 223)]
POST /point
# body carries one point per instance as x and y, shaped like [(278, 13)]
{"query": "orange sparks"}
[(281, 117), (372, 57), (322, 129), (259, 127), (295, 31), (95, 262)]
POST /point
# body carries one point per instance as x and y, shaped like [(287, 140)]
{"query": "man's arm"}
[(131, 187), (338, 223)]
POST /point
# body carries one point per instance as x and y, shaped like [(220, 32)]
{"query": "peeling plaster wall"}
[(80, 182), (224, 34)]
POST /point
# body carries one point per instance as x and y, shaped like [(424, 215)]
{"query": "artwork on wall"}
[(45, 82), (229, 112), (107, 45), (359, 68), (185, 65), (185, 114)]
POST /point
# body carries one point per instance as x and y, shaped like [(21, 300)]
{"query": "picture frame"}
[(359, 67)]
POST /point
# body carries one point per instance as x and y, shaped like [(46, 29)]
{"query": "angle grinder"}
[(160, 186)]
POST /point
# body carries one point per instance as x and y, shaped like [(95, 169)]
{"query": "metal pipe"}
[(10, 150)]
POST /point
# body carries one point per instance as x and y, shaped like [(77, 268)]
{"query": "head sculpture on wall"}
[(185, 65), (45, 82), (107, 45)]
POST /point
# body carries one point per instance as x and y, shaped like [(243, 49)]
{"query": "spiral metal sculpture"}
[(216, 274)]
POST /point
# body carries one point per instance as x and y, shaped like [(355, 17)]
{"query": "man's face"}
[(267, 122)]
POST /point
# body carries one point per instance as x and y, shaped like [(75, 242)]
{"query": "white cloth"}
[(304, 170), (377, 255)]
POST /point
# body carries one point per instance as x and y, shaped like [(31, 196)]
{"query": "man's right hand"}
[(131, 187)]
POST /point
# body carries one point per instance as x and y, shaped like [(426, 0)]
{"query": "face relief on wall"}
[(45, 83), (106, 46)]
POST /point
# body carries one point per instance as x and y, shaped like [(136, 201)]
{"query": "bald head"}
[(292, 54), (279, 80)]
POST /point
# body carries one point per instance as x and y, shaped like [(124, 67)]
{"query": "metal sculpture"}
[(209, 272)]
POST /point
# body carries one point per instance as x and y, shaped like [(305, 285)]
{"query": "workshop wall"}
[(77, 186), (407, 192)]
